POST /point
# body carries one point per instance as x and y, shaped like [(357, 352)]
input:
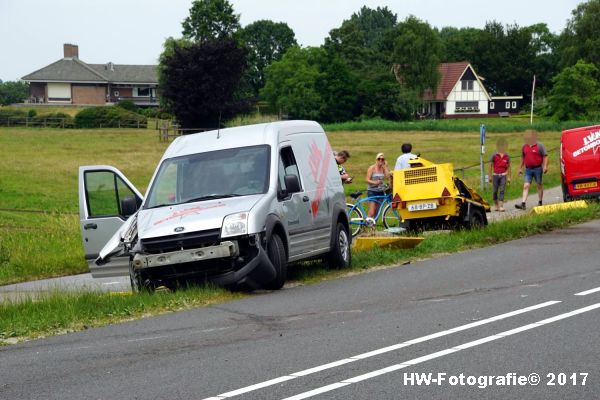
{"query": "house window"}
[(467, 85), (514, 105), (507, 105), (467, 106), (141, 92), (492, 105)]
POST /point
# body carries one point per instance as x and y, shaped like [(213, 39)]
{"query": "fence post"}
[(138, 123), (8, 121), (45, 123), (62, 123), (119, 124)]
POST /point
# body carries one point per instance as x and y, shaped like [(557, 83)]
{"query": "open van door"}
[(106, 200)]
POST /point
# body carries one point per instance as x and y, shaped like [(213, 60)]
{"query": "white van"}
[(234, 206)]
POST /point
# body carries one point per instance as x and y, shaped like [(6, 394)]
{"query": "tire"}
[(340, 255), (277, 256), (565, 192), (391, 218), (356, 219), (476, 219), (138, 282)]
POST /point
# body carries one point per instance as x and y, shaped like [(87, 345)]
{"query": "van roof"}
[(249, 135), (581, 129)]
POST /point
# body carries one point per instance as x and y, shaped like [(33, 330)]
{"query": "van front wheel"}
[(340, 255), (276, 253)]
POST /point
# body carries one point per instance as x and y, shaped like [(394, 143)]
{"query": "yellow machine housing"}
[(430, 194)]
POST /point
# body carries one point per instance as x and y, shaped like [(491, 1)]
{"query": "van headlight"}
[(235, 225)]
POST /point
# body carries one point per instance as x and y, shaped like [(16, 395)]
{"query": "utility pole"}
[(481, 153)]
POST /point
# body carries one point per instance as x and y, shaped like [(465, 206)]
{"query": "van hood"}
[(191, 217)]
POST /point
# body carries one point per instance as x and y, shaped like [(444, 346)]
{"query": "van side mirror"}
[(129, 206), (292, 184)]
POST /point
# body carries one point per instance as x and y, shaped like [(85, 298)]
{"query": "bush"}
[(128, 105), (148, 112), (109, 117), (31, 113), (54, 120)]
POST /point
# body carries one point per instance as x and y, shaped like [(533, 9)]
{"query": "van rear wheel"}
[(277, 256), (340, 255)]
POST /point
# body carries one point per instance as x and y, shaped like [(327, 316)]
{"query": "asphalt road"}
[(503, 310)]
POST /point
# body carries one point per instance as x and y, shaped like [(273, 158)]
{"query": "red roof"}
[(450, 73)]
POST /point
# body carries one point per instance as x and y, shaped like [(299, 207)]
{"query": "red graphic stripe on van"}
[(320, 174), (186, 212)]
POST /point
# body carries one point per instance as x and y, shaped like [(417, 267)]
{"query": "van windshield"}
[(217, 174)]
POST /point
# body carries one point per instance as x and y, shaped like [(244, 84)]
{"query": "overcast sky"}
[(32, 32)]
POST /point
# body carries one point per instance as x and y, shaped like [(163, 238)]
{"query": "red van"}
[(580, 162)]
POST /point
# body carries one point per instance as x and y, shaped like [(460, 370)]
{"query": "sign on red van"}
[(580, 162)]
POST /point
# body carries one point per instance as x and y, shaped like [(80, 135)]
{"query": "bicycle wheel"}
[(391, 218), (356, 219)]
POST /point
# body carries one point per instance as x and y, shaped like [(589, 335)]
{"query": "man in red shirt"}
[(534, 159), (499, 173)]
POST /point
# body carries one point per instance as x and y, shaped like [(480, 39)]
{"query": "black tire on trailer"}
[(278, 257), (476, 218), (340, 255), (356, 215)]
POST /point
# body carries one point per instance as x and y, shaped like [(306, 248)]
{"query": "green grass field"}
[(39, 172)]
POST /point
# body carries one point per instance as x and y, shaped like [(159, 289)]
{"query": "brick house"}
[(72, 81)]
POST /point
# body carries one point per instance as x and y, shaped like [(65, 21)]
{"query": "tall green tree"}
[(416, 55), (581, 38), (267, 41), (13, 92), (359, 40), (210, 19), (310, 83), (458, 44), (200, 81), (576, 92)]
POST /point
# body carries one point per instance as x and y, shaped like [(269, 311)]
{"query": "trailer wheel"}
[(276, 252), (476, 219)]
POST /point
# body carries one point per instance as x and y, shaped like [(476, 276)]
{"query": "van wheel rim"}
[(344, 248)]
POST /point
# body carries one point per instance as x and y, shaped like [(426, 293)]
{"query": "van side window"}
[(287, 166)]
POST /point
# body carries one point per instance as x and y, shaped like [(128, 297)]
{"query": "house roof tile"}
[(450, 73), (75, 70)]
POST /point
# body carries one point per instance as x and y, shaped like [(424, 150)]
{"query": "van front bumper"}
[(241, 260), (225, 249)]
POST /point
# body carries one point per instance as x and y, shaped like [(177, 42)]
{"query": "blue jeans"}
[(533, 173)]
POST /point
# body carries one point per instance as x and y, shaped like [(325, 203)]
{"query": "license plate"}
[(422, 206), (586, 185)]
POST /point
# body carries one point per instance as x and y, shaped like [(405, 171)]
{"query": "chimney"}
[(71, 50)]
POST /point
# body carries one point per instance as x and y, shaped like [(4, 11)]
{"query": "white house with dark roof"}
[(460, 93), (72, 81)]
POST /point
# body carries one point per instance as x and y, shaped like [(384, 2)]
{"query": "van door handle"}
[(90, 226), (305, 199)]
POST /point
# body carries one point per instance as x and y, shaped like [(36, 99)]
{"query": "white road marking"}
[(585, 293), (111, 283), (379, 351), (441, 353)]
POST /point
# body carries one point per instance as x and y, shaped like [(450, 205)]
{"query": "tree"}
[(199, 81), (416, 55), (267, 41), (310, 83), (576, 92), (359, 40), (458, 44), (581, 38), (210, 19), (13, 92)]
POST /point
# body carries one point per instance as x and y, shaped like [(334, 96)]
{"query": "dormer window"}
[(467, 85)]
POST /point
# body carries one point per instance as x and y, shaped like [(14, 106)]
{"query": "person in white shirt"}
[(402, 161)]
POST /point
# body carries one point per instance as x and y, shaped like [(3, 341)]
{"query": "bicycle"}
[(356, 213)]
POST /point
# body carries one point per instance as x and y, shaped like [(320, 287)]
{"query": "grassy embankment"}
[(39, 172)]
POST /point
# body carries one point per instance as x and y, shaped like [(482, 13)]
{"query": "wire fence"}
[(55, 122)]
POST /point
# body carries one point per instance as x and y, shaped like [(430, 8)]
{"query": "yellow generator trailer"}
[(429, 196)]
